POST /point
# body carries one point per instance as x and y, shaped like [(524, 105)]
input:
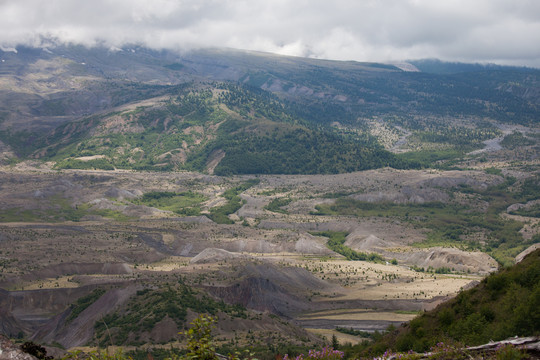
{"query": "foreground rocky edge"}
[(514, 348)]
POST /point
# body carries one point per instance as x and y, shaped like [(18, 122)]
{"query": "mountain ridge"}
[(48, 92)]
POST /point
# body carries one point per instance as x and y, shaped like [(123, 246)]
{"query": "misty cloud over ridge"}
[(498, 31)]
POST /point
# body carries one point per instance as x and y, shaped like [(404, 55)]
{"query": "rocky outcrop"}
[(519, 206), (79, 331), (9, 325), (128, 210), (8, 350), (358, 240), (266, 287), (447, 182), (407, 195), (122, 194), (526, 252), (459, 260), (85, 268), (527, 345), (436, 257), (213, 255), (309, 244)]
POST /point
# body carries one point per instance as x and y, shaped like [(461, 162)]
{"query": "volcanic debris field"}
[(67, 234), (133, 200)]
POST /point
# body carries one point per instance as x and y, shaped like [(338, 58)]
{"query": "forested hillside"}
[(244, 131)]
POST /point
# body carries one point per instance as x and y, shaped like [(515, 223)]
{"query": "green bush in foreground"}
[(200, 345)]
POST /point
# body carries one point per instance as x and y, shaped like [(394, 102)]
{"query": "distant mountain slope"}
[(69, 102), (222, 128), (435, 66), (363, 90)]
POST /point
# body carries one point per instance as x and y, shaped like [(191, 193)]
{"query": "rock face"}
[(526, 252), (10, 351), (86, 268), (41, 314), (407, 195), (309, 244), (360, 241), (213, 255), (436, 257), (459, 260), (8, 324), (128, 210), (266, 287), (122, 194), (80, 330), (525, 206)]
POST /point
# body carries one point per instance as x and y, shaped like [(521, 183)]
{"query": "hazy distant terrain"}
[(139, 188)]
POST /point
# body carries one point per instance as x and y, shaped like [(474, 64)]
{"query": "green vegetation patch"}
[(529, 189), (301, 150), (493, 171), (336, 239), (351, 331), (516, 140), (464, 138), (450, 224), (175, 66), (19, 215), (447, 221), (442, 147), (83, 303), (95, 164), (151, 138), (150, 306), (58, 209), (221, 214), (277, 204), (184, 203), (436, 158), (259, 133), (430, 269), (533, 211), (339, 194)]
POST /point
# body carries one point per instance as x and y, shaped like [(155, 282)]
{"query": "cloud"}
[(504, 31)]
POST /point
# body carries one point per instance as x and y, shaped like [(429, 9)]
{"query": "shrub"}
[(36, 350), (200, 344), (509, 352), (327, 353)]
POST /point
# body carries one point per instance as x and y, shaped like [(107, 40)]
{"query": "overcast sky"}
[(495, 31)]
